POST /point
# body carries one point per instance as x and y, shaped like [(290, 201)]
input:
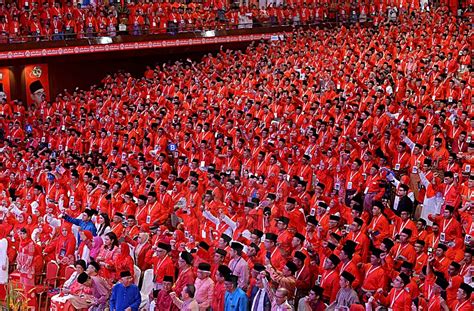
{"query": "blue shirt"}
[(236, 301), (124, 297), (85, 225)]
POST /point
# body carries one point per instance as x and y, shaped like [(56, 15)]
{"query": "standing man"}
[(238, 265), (204, 286), (125, 295), (85, 223), (259, 299), (235, 297)]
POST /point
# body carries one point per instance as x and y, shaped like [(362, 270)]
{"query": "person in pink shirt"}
[(204, 286)]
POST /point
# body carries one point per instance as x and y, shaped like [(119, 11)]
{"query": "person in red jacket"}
[(398, 299), (329, 280), (63, 248), (142, 247), (463, 298), (449, 227)]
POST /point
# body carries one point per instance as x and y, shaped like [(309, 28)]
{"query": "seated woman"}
[(107, 257), (124, 261), (142, 246), (62, 248), (95, 297), (71, 286), (103, 224), (70, 294), (84, 249)]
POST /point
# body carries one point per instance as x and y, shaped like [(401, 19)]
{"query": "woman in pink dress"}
[(107, 257), (24, 260)]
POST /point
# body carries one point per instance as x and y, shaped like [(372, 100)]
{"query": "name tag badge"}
[(60, 147), (365, 176), (337, 186), (148, 219), (56, 31), (312, 211), (90, 24), (433, 98), (468, 140), (43, 139), (100, 150), (442, 237), (203, 234), (414, 170), (468, 168), (397, 166), (467, 239), (349, 185), (450, 99)]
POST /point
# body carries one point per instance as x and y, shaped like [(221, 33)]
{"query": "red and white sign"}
[(129, 46)]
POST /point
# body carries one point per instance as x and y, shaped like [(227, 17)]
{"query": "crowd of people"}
[(22, 21), (329, 170)]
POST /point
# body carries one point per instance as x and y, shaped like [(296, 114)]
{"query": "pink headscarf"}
[(96, 248)]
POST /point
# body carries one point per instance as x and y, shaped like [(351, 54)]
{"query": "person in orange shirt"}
[(274, 254), (354, 181), (403, 250), (284, 235), (295, 216), (117, 224), (156, 213), (161, 261), (348, 264), (435, 301), (439, 154), (357, 235), (463, 298), (455, 281), (398, 299), (372, 273), (379, 228), (438, 261), (421, 256), (329, 280), (402, 222), (450, 228)]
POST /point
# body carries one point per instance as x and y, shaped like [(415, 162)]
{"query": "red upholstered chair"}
[(50, 282)]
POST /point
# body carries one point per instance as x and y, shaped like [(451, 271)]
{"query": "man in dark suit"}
[(259, 300), (402, 201)]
